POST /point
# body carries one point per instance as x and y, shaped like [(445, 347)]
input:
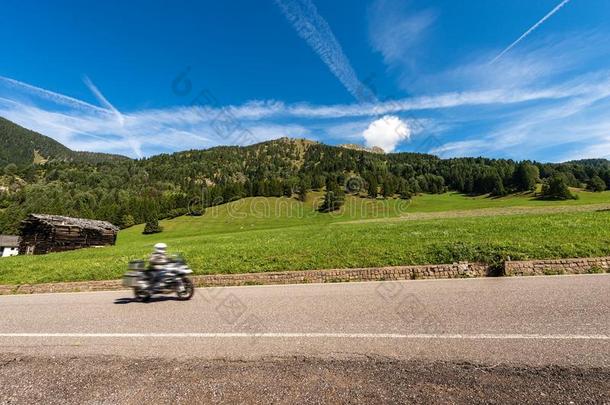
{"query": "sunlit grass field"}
[(266, 234)]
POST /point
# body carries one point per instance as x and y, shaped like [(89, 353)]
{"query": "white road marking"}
[(308, 335)]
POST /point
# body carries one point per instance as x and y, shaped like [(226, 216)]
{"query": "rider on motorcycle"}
[(164, 274), (157, 261)]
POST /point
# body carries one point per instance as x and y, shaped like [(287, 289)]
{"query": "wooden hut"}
[(9, 245), (41, 234)]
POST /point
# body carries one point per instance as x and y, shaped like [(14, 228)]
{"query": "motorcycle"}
[(171, 279)]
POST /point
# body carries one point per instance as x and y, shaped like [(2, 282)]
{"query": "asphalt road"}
[(535, 321), (505, 340)]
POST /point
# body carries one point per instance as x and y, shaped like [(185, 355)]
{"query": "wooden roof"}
[(57, 220), (9, 241)]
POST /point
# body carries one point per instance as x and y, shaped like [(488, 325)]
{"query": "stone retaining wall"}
[(439, 271), (78, 286), (456, 270), (561, 266)]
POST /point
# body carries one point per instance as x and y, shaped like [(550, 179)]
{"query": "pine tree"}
[(333, 198), (404, 191), (372, 187), (302, 193), (526, 177), (317, 182), (275, 188), (387, 187), (287, 189), (498, 189), (152, 225)]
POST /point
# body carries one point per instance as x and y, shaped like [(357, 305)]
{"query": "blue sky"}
[(516, 79)]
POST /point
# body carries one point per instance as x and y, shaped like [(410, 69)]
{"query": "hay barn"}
[(41, 234)]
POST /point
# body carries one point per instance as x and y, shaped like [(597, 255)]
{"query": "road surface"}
[(382, 334), (536, 320)]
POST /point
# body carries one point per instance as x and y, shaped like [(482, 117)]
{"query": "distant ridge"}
[(22, 146), (591, 162), (353, 146)]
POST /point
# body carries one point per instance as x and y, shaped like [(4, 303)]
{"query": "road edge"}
[(597, 265)]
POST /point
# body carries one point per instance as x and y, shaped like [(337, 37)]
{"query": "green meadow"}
[(268, 234)]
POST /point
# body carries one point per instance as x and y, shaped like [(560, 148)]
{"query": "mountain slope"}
[(22, 146), (125, 191), (17, 144)]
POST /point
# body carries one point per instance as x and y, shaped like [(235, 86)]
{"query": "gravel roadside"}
[(49, 380)]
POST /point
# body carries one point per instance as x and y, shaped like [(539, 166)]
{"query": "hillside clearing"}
[(487, 212)]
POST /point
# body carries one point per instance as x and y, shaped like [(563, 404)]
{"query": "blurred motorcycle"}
[(172, 278)]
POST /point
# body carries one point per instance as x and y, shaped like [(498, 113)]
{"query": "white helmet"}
[(160, 247)]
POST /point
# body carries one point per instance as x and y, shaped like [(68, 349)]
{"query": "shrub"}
[(10, 169), (596, 184), (152, 226), (556, 188), (127, 221)]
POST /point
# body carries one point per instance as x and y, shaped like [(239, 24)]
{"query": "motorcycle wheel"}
[(189, 290), (141, 295)]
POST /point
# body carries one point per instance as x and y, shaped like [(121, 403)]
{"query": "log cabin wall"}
[(36, 238), (41, 234)]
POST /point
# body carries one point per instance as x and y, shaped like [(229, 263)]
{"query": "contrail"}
[(538, 24), (100, 97), (311, 27), (79, 104), (50, 95), (135, 146)]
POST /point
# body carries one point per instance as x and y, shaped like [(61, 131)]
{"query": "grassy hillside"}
[(456, 201), (124, 191), (22, 146), (265, 234), (17, 145)]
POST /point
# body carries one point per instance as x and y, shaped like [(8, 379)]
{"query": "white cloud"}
[(573, 128), (88, 132), (257, 110), (87, 127), (395, 31), (386, 133)]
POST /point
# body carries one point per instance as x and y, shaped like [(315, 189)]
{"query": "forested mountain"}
[(21, 146), (126, 191)]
